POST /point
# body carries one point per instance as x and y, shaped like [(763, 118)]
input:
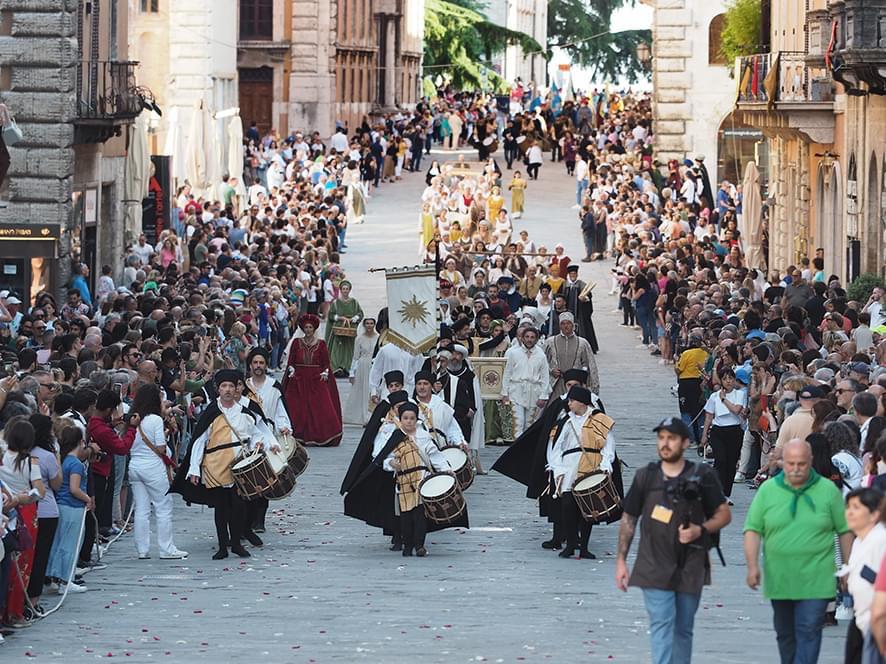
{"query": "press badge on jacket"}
[(662, 513)]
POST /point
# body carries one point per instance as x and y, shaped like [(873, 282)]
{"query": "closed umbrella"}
[(198, 155), (235, 154), (752, 224), (138, 170), (174, 146)]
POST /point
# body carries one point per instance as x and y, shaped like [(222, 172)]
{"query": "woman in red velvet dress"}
[(310, 390)]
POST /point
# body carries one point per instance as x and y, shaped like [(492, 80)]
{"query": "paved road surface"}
[(326, 589)]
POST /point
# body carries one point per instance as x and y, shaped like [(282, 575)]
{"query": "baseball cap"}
[(13, 300), (673, 425), (809, 392), (858, 367)]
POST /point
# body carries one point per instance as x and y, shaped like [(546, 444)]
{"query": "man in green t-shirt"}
[(796, 514)]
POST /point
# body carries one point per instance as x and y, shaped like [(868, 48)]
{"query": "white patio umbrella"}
[(174, 146), (752, 205), (199, 150), (138, 171), (235, 153)]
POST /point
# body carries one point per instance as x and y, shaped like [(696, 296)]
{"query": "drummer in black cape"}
[(583, 446), (527, 460), (370, 488), (226, 430), (265, 398)]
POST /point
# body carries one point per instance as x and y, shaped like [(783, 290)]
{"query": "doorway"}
[(257, 98)]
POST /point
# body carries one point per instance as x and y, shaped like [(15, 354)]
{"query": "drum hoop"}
[(249, 462), (599, 479), (439, 496)]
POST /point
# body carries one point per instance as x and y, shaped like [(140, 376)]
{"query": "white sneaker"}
[(72, 588), (144, 556), (844, 613), (178, 554), (52, 587)]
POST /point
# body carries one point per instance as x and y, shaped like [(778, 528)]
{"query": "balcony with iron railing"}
[(795, 81), (107, 98)]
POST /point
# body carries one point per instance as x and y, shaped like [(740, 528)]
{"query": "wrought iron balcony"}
[(107, 98), (859, 50), (794, 80)]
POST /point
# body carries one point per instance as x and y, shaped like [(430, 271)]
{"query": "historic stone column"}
[(390, 59)]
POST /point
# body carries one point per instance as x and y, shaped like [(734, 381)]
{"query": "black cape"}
[(363, 454), (371, 496), (198, 493), (525, 460)]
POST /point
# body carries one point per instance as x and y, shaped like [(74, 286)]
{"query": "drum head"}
[(455, 456), (437, 485), (488, 140), (520, 139), (248, 461), (287, 444), (591, 482)]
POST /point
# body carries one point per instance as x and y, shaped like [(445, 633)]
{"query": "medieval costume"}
[(220, 437), (345, 313), (580, 305), (356, 410), (310, 389), (570, 352)]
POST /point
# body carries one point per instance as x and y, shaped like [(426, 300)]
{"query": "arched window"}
[(715, 40)]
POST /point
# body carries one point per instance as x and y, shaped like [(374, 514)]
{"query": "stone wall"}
[(691, 96), (38, 47), (312, 82)]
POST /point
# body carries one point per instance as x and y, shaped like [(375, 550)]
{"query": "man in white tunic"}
[(566, 456), (392, 358), (525, 383), (268, 392)]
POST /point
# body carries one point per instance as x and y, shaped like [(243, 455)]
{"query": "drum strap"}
[(413, 469), (223, 446), (574, 450)]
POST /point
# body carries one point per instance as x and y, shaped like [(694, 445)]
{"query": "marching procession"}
[(263, 352)]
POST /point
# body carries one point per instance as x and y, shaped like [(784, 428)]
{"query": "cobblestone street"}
[(325, 588)]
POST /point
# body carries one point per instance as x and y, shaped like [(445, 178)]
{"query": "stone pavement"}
[(326, 589)]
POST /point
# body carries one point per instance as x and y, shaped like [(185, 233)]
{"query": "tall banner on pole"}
[(412, 307)]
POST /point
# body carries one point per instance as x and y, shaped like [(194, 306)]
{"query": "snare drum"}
[(442, 498), (461, 465), (491, 144), (253, 475), (299, 459), (285, 477), (597, 499), (287, 444)]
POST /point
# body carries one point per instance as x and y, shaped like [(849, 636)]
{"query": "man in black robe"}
[(707, 192), (581, 307), (458, 389)]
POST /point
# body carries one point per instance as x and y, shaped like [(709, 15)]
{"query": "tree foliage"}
[(581, 27), (741, 29), (460, 41)]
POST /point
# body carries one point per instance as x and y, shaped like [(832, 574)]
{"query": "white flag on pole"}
[(412, 308)]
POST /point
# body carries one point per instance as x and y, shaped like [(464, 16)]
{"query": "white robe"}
[(356, 410), (393, 358), (526, 378), (272, 404), (442, 418)]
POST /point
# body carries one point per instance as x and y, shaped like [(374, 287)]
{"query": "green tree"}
[(460, 42), (581, 27), (741, 29)]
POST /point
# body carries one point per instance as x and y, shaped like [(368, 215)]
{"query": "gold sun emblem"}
[(413, 311)]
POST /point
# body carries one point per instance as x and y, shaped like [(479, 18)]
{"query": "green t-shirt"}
[(798, 551)]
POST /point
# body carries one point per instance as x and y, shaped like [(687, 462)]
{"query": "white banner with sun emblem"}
[(412, 308)]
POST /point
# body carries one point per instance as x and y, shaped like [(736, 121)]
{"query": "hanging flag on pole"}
[(412, 307)]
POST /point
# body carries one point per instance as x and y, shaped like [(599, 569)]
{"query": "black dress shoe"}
[(567, 553), (407, 553), (421, 552), (587, 554), (397, 546), (253, 539), (552, 545), (221, 554), (240, 551)]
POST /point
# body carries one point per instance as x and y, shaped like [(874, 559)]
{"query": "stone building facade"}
[(313, 64), (66, 78), (693, 92), (531, 18)]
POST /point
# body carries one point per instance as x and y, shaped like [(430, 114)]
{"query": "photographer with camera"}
[(681, 505)]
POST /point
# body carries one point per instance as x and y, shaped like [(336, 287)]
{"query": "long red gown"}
[(312, 403)]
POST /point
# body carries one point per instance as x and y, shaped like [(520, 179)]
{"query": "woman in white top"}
[(20, 478), (863, 519), (843, 442), (148, 477), (725, 413)]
